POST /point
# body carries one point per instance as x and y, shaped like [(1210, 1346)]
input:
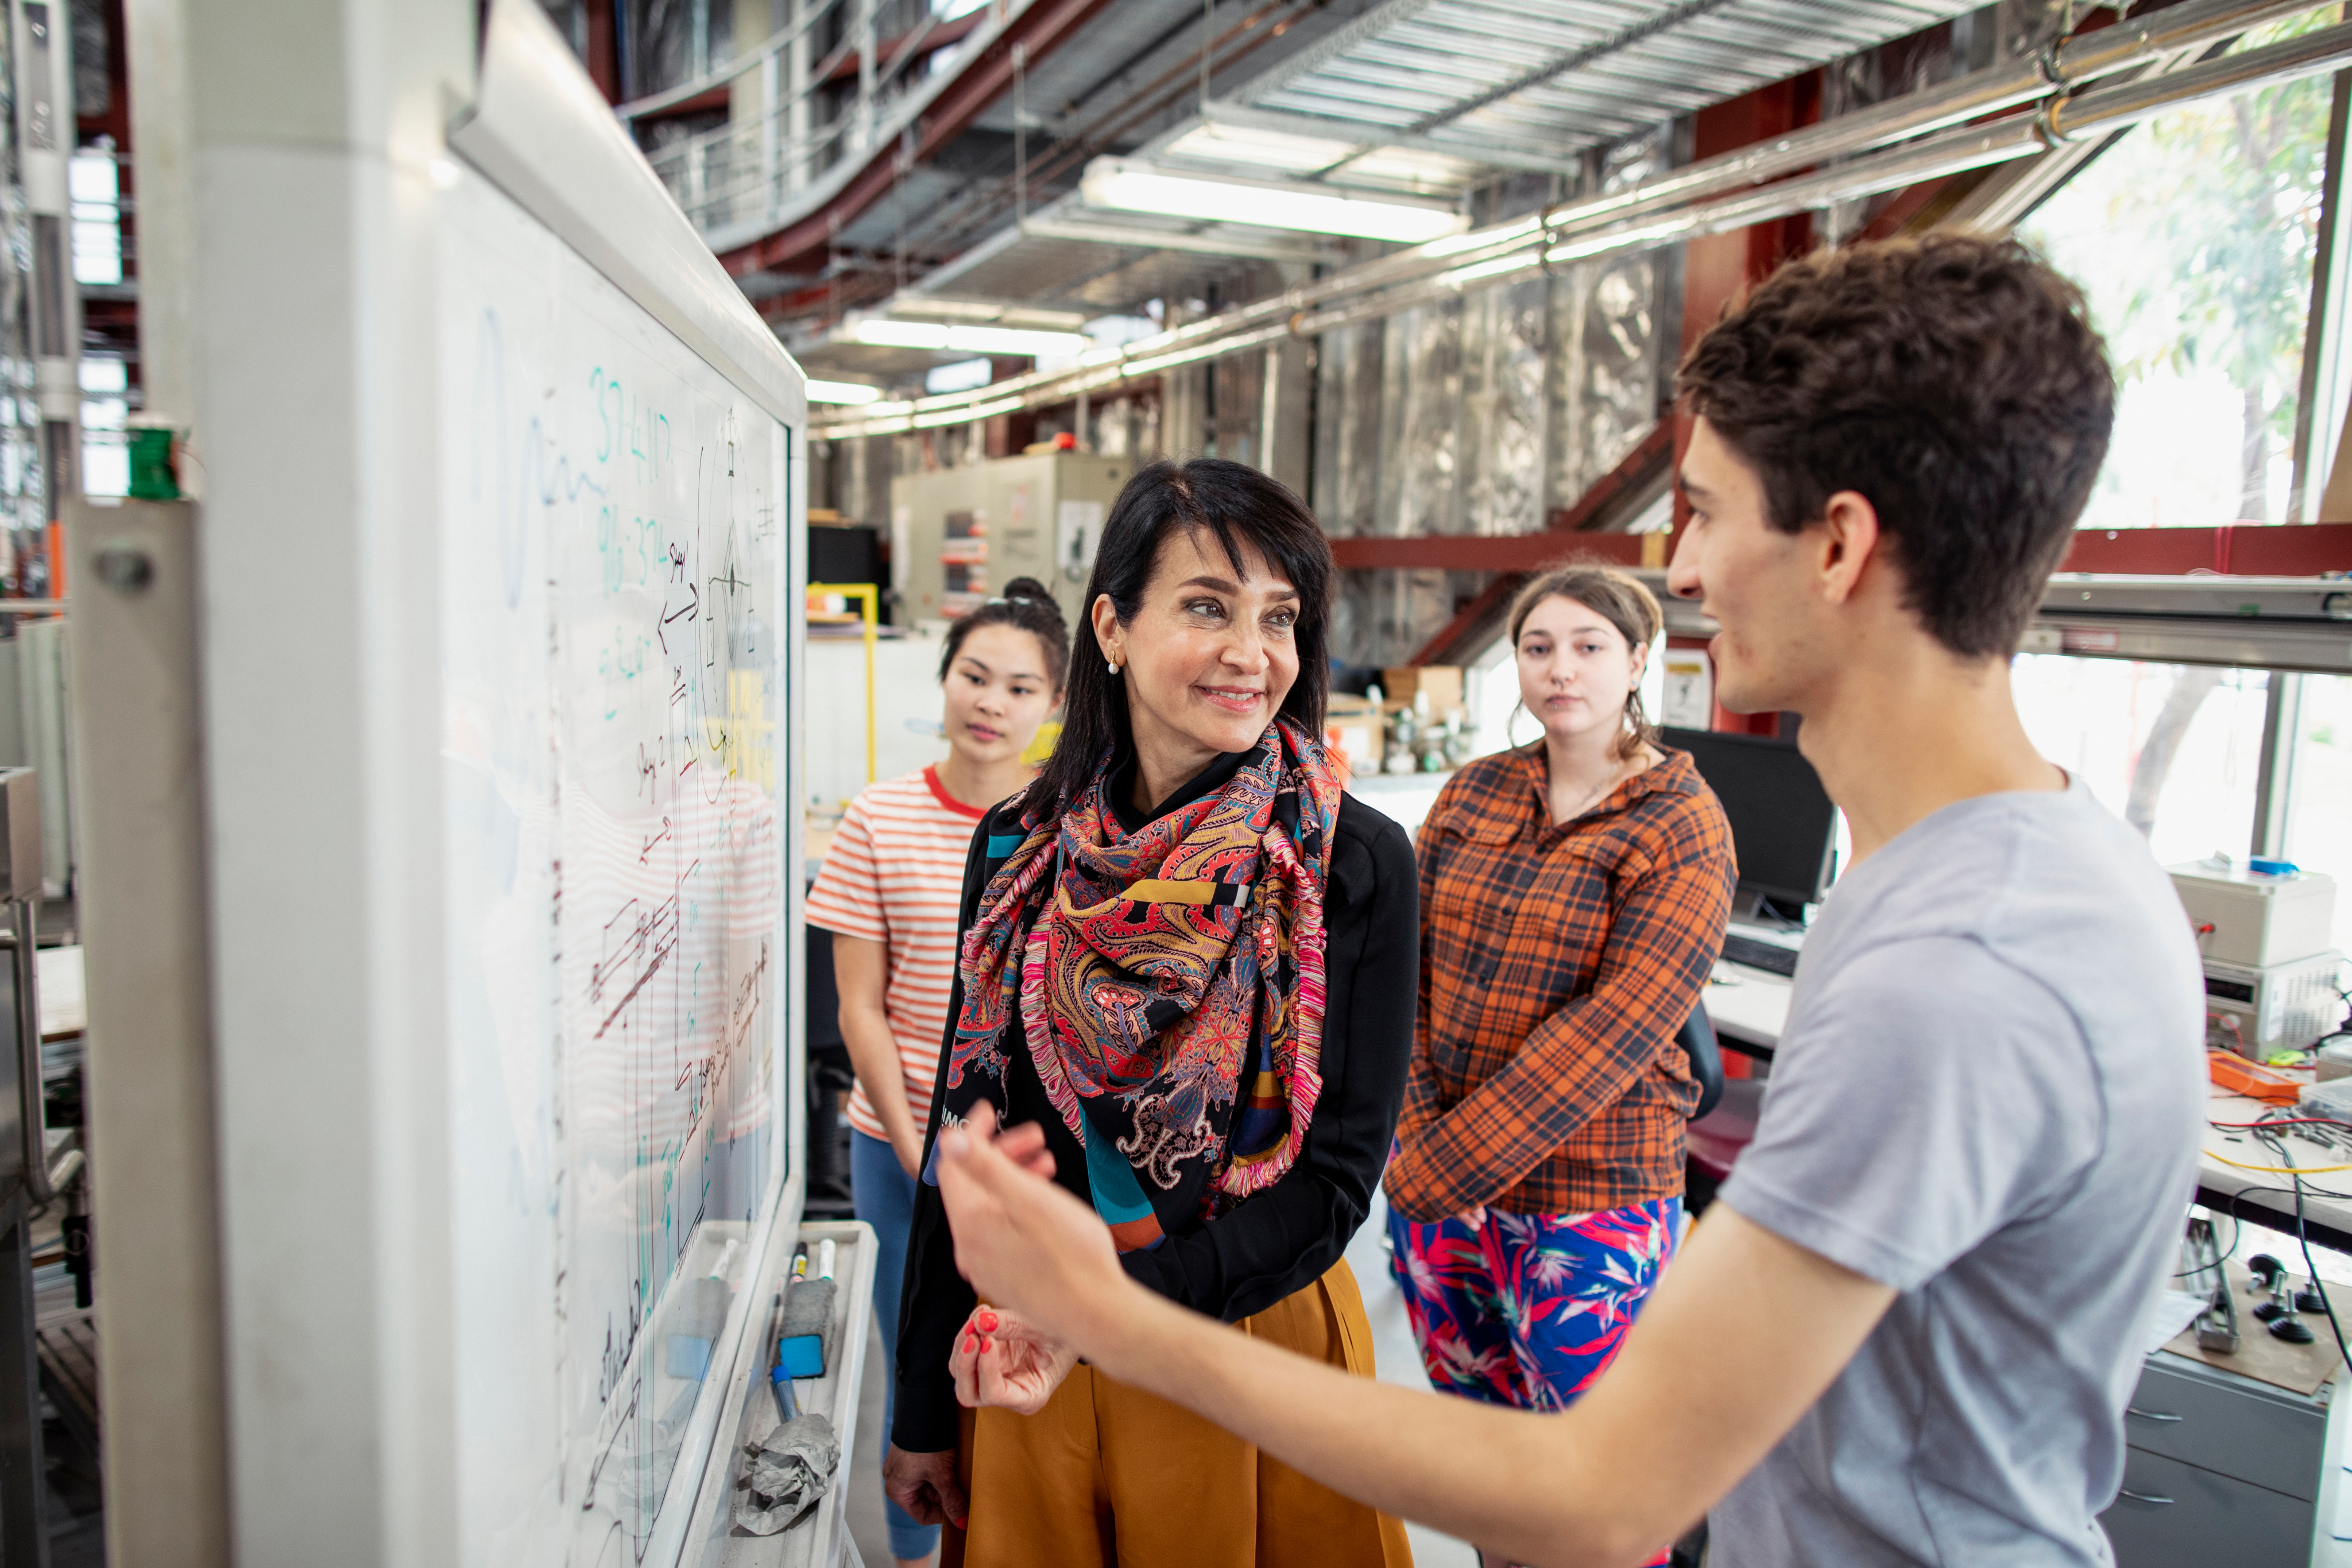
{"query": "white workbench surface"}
[(65, 1008)]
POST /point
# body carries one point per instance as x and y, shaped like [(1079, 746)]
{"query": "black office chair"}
[(1696, 1037)]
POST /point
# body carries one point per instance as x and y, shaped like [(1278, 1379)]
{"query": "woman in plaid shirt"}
[(1573, 896)]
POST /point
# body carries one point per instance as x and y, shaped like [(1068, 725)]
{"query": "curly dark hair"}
[(1954, 381)]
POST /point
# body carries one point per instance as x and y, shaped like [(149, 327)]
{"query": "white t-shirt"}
[(895, 876), (1988, 1096)]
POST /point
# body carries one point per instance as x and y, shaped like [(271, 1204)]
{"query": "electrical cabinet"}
[(959, 534)]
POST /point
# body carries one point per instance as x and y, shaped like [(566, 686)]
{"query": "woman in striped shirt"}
[(889, 893)]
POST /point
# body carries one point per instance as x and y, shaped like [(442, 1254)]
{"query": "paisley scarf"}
[(1169, 984)]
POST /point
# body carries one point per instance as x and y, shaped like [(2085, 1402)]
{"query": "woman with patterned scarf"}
[(1191, 959)]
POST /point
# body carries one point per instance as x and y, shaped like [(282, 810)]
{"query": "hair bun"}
[(1028, 590)]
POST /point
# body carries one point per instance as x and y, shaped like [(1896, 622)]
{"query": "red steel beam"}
[(1719, 268), (703, 102), (1482, 553), (1566, 538), (2241, 550), (603, 58), (1042, 29), (1636, 468)]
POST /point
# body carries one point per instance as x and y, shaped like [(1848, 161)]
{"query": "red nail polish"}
[(987, 1322), (986, 1344), (970, 1344)]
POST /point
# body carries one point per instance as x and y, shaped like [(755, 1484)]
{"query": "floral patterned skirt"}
[(1526, 1310)]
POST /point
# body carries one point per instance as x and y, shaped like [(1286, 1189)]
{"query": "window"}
[(95, 185), (2319, 790), (2193, 238), (105, 413), (2174, 749)]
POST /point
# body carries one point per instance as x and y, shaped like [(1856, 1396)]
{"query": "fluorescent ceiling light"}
[(940, 338), (841, 392), (1409, 172), (1131, 187), (1216, 143), (987, 312)]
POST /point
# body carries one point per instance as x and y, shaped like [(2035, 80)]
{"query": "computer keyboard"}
[(1770, 956)]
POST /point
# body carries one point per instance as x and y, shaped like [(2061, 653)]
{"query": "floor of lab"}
[(1397, 1362), (1392, 1344)]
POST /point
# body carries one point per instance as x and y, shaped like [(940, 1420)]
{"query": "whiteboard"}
[(617, 599)]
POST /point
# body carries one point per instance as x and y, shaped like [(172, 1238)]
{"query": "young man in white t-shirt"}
[(1907, 1332)]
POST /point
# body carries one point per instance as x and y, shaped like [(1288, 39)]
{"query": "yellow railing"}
[(869, 609)]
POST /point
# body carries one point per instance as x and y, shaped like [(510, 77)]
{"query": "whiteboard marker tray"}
[(822, 1539)]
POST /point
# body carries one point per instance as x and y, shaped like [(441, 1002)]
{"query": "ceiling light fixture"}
[(841, 392), (1127, 186), (983, 312), (940, 338)]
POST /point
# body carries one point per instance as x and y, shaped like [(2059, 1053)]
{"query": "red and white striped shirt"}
[(894, 875)]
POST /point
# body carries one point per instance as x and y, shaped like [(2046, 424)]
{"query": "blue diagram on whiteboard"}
[(612, 688)]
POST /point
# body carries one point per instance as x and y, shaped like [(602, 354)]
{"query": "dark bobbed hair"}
[(1027, 605), (1955, 381), (1238, 506)]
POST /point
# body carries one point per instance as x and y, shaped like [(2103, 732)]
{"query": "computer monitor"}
[(1783, 828)]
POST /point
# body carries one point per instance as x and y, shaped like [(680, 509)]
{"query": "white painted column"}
[(287, 290), (801, 164)]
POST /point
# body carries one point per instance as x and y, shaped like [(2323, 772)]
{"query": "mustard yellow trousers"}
[(1110, 1477)]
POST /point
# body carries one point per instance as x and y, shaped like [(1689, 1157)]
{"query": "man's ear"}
[(1849, 542)]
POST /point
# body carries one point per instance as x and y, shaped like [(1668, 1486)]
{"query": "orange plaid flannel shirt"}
[(1558, 963)]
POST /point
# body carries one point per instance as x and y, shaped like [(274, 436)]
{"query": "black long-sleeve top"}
[(1279, 1240)]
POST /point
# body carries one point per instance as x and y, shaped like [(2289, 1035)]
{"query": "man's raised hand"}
[(1024, 1242)]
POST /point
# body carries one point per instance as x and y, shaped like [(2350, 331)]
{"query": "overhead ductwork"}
[(1996, 116)]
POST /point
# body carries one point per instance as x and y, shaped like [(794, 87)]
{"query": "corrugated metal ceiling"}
[(1553, 75), (1426, 97), (1432, 98)]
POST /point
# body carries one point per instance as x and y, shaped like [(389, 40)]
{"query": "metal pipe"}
[(2071, 63), (2080, 59), (1957, 151), (1586, 229), (32, 1118), (2128, 103)]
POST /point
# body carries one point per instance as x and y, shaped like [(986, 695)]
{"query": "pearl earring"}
[(1112, 664)]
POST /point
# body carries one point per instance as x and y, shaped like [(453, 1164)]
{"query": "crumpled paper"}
[(789, 1471)]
